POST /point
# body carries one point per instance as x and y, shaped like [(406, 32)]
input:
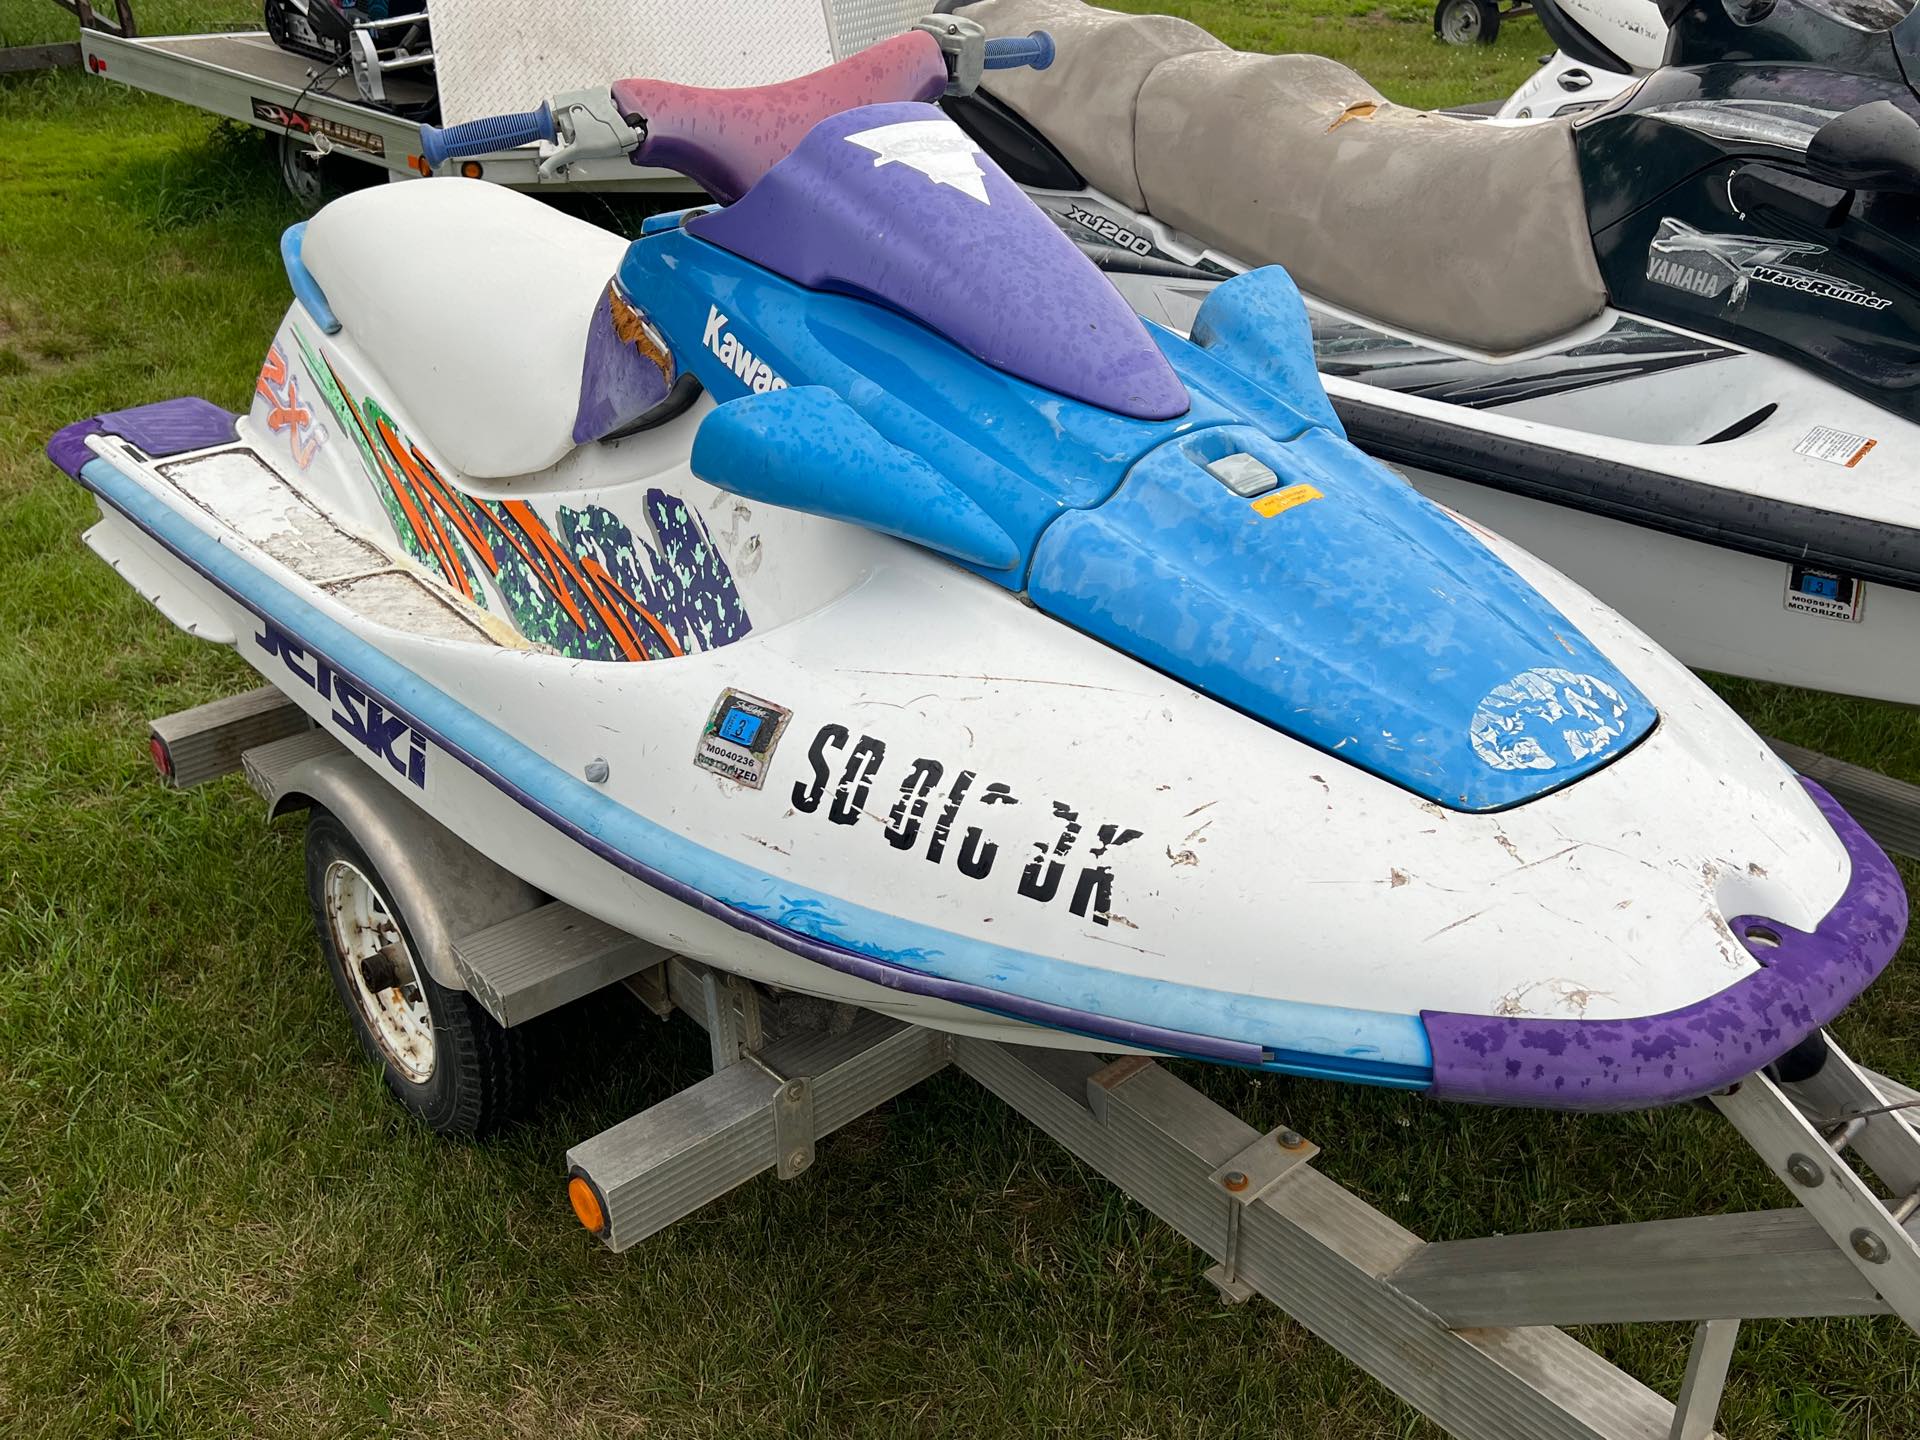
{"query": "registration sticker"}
[(1836, 447), (1281, 500), (739, 737), (1830, 594)]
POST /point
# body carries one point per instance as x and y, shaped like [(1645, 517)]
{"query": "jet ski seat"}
[(416, 287), (726, 139), (1464, 232)]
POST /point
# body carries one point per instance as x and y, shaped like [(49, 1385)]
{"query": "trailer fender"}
[(444, 887)]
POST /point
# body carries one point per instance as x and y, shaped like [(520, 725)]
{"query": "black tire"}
[(1467, 22), (315, 180), (480, 1072)]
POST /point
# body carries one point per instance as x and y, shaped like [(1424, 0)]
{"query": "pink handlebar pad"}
[(724, 140)]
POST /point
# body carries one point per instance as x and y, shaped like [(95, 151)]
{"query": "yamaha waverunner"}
[(1669, 346), (842, 586)]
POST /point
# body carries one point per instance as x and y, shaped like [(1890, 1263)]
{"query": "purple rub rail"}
[(1659, 1059)]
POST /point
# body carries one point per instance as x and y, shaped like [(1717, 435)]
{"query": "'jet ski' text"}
[(357, 715)]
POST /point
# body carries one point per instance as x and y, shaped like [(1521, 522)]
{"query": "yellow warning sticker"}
[(1279, 500)]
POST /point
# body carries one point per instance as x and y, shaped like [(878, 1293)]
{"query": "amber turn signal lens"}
[(586, 1204), (471, 169)]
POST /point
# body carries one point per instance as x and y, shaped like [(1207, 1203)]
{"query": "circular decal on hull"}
[(1543, 719)]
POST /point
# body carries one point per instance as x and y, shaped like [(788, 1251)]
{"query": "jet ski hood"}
[(1193, 504), (895, 203), (1342, 608)]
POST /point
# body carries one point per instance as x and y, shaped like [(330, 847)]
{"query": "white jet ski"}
[(1604, 47), (843, 587), (1671, 346), (1601, 49)]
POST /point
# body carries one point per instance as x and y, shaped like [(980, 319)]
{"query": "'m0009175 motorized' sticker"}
[(1830, 594)]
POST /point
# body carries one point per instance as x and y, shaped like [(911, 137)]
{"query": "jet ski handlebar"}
[(603, 122), (1010, 52), (483, 137)]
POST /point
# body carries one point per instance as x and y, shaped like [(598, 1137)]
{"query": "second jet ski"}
[(1672, 346)]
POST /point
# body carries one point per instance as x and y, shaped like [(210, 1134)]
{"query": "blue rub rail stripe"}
[(1327, 1042)]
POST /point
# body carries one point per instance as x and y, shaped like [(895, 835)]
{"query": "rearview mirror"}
[(1871, 147), (807, 449)]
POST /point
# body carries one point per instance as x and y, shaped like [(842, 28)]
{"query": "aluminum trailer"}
[(244, 76), (1464, 1331), (482, 65)]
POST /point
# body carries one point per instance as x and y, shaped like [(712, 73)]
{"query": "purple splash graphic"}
[(1634, 1064), (895, 203)]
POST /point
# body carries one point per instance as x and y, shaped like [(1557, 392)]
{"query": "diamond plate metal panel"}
[(494, 56), (856, 24)]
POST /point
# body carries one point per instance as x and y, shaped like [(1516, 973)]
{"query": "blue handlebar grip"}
[(1011, 52), (483, 137)]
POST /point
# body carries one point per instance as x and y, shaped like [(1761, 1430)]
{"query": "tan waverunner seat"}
[(1456, 229)]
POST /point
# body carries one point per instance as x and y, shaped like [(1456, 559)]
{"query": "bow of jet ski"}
[(970, 650)]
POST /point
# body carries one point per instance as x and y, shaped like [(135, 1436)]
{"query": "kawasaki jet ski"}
[(1669, 346), (842, 586)]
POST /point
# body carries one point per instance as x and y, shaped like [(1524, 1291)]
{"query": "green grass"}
[(213, 1223)]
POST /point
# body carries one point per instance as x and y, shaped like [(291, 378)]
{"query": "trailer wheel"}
[(313, 179), (304, 173), (1467, 22), (445, 1059)]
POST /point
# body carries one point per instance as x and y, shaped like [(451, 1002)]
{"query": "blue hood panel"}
[(1362, 619), (1344, 609)]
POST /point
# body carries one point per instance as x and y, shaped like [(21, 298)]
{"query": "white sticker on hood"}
[(1836, 447), (1543, 719), (938, 149)]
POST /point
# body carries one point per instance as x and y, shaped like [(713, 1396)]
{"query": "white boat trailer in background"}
[(1464, 1331), (481, 65)]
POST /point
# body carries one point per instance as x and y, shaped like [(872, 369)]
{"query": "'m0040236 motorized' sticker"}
[(740, 737)]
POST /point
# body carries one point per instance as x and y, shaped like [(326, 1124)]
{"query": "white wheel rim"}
[(380, 971), (1462, 23)]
